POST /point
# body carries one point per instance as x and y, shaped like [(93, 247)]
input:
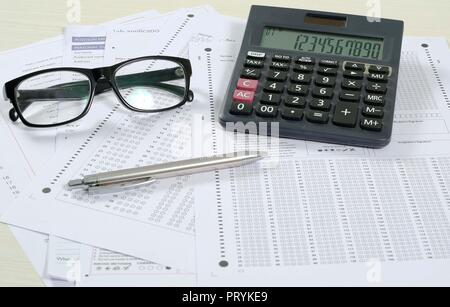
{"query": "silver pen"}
[(131, 178)]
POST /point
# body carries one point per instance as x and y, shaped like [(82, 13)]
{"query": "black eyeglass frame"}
[(96, 76)]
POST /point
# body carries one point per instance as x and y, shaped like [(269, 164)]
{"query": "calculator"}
[(321, 76)]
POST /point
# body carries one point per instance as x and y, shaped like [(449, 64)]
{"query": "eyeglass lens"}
[(151, 85), (53, 97)]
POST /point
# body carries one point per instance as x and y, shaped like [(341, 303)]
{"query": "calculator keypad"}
[(295, 101), (353, 85), (266, 110), (251, 73), (292, 114), (243, 96), (276, 75), (270, 98), (301, 78), (251, 63), (247, 85), (317, 117), (346, 114), (345, 94), (280, 66)]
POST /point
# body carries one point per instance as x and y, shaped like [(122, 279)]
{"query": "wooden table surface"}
[(27, 21)]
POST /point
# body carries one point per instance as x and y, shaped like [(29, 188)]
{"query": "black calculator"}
[(321, 76)]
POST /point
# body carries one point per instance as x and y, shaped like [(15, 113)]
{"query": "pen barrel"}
[(172, 169)]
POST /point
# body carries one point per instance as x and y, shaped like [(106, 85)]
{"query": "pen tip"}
[(75, 183)]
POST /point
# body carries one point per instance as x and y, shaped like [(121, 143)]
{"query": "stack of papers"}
[(312, 214)]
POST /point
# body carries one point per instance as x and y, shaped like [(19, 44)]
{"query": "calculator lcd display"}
[(305, 41)]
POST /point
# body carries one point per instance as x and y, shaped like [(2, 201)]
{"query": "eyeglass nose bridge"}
[(102, 77), (102, 73)]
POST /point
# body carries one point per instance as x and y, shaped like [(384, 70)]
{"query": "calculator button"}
[(325, 81), (269, 98), (243, 96), (241, 108), (298, 89), (376, 88), (353, 85), (295, 101), (375, 100), (292, 114), (254, 63), (256, 55), (322, 92), (371, 124), (277, 75), (281, 58), (349, 96), (317, 117), (353, 74), (375, 69), (378, 78), (303, 68), (329, 63), (371, 111), (251, 73), (279, 66), (320, 104), (327, 71), (274, 87), (346, 114), (305, 60), (247, 85), (301, 78), (263, 110), (354, 66)]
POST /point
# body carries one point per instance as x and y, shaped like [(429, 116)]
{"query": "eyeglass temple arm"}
[(71, 90)]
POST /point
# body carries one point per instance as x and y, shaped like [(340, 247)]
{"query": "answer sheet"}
[(325, 214), (27, 151), (30, 149), (36, 146), (123, 42), (39, 144), (161, 214), (85, 45), (102, 267), (15, 175)]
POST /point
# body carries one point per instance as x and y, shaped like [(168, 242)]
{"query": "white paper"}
[(327, 214), (159, 216), (29, 149), (105, 268), (34, 246), (15, 175), (86, 266), (137, 40), (63, 260), (85, 45), (101, 266), (36, 144)]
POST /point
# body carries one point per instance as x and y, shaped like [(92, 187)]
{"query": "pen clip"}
[(120, 187)]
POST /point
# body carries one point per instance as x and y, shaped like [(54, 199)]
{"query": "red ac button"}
[(243, 96)]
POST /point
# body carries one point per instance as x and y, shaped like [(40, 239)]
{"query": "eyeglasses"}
[(56, 97)]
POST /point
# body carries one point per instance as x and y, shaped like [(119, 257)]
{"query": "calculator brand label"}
[(257, 55)]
